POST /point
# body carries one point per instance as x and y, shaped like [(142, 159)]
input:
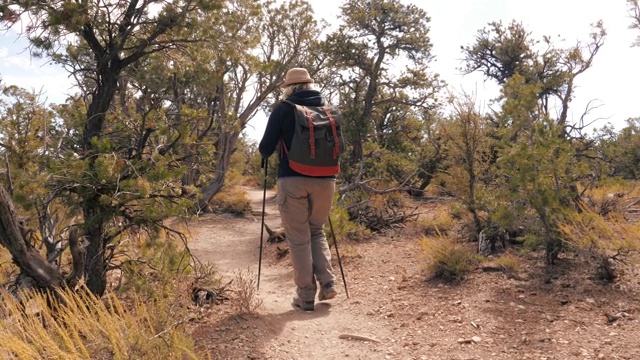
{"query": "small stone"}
[(476, 339)]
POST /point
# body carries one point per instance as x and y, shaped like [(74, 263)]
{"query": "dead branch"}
[(77, 255), (363, 184), (24, 255), (275, 236)]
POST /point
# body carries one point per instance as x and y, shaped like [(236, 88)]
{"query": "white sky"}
[(612, 81)]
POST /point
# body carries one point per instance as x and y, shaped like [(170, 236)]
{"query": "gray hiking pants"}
[(304, 205)]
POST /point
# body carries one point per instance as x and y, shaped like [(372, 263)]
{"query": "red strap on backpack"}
[(312, 138), (336, 147)]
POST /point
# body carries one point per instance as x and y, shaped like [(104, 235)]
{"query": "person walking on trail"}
[(304, 201)]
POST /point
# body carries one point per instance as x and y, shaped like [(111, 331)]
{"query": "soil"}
[(394, 312)]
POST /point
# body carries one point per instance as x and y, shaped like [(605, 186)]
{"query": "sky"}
[(611, 83)]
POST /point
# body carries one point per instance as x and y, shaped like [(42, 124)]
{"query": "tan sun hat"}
[(296, 76)]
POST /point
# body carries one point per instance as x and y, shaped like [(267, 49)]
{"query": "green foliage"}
[(150, 263), (386, 112), (343, 226), (28, 133), (500, 52), (531, 242), (448, 260), (620, 150), (254, 172), (469, 158), (166, 107)]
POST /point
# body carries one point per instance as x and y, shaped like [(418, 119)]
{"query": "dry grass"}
[(81, 326), (246, 300), (232, 200), (448, 260), (509, 263), (439, 221), (602, 239), (589, 230), (7, 268)]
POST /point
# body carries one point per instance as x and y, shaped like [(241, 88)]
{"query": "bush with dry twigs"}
[(246, 300)]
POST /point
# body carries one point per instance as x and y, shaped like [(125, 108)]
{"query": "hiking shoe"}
[(327, 292), (303, 305)]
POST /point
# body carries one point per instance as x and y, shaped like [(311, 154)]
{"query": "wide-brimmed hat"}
[(296, 76)]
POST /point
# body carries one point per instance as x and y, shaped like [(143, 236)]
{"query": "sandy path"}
[(232, 244)]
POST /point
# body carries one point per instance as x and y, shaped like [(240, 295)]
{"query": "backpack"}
[(317, 140)]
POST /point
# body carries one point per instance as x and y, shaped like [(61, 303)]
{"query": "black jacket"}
[(281, 125)]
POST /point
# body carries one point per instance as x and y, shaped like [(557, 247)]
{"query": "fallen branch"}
[(357, 337)]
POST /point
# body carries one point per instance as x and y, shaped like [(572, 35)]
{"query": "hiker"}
[(304, 201)]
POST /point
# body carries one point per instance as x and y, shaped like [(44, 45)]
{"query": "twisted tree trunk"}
[(30, 261)]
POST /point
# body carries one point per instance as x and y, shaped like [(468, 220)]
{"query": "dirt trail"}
[(544, 313), (232, 244)]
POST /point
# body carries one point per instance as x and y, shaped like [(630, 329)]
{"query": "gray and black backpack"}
[(317, 140)]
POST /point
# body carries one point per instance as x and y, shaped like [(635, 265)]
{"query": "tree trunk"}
[(95, 267), (24, 255), (226, 147), (95, 262)]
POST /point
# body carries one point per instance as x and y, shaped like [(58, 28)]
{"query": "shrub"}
[(588, 230), (438, 222), (246, 300), (231, 200), (606, 198), (510, 264), (343, 227), (601, 238), (447, 260)]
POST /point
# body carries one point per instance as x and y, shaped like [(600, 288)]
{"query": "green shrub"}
[(343, 227)]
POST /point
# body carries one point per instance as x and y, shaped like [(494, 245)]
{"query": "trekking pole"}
[(335, 243), (263, 164)]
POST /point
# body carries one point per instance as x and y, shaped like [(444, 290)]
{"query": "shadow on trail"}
[(246, 336)]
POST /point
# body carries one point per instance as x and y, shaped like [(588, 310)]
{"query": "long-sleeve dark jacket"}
[(281, 125)]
